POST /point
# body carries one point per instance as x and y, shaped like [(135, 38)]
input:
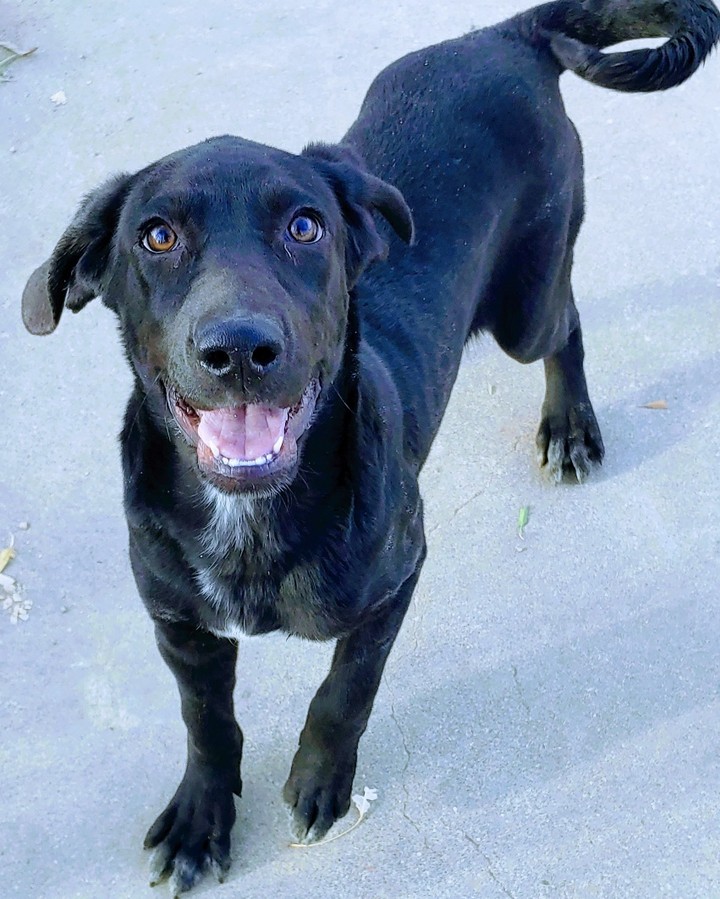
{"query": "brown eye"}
[(159, 238), (305, 228)]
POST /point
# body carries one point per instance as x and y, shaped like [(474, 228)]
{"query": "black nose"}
[(247, 347)]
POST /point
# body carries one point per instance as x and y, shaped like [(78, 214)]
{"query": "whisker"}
[(351, 411), (144, 400)]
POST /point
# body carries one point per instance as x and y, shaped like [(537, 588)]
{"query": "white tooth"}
[(278, 444), (247, 463)]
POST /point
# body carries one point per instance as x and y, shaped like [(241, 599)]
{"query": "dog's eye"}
[(305, 228), (159, 238)]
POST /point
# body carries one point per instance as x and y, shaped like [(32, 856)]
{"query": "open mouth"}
[(246, 444)]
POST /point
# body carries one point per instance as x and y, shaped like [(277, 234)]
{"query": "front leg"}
[(320, 782), (193, 833)]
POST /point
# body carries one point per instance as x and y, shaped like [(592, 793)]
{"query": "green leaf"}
[(523, 518)]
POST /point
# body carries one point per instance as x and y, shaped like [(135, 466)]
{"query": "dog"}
[(287, 389)]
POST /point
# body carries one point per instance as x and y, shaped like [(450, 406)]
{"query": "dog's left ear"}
[(360, 194), (75, 273)]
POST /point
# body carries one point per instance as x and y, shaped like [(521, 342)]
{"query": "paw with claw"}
[(192, 835), (318, 790), (569, 440)]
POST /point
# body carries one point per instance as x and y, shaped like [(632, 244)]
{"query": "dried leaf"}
[(8, 56), (13, 601), (6, 555), (655, 404)]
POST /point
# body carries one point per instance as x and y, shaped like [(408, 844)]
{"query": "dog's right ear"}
[(75, 273), (360, 194)]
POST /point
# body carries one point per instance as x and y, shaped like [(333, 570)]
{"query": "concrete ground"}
[(550, 719)]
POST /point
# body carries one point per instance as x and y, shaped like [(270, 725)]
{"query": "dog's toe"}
[(317, 797), (570, 442), (185, 874), (313, 816), (192, 836)]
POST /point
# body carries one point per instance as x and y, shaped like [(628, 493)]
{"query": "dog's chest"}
[(244, 578)]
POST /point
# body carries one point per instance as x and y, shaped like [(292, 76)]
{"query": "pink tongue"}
[(243, 432)]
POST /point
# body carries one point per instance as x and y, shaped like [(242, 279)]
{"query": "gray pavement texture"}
[(550, 718)]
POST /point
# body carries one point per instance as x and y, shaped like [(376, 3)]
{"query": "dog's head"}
[(229, 265)]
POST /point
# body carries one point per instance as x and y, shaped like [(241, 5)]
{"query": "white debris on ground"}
[(12, 599)]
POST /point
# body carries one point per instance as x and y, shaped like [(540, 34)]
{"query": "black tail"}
[(577, 29)]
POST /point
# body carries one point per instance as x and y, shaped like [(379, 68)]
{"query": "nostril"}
[(238, 348), (217, 360), (263, 356)]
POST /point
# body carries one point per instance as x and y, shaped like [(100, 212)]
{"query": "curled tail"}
[(578, 29)]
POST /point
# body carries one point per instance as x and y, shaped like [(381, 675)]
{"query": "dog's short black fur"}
[(286, 395)]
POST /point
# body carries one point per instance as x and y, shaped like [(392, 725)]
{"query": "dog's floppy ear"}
[(75, 273), (360, 194)]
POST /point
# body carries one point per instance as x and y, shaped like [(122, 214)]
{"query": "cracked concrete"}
[(403, 784), (548, 727), (518, 687)]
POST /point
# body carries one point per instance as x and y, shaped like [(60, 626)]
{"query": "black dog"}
[(286, 395)]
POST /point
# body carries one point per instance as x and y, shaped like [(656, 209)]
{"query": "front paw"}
[(192, 835), (569, 439), (318, 790)]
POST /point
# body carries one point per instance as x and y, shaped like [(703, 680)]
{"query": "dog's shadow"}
[(654, 327), (592, 709), (458, 759), (635, 432)]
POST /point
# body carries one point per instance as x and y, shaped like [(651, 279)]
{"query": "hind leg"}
[(536, 318), (568, 438)]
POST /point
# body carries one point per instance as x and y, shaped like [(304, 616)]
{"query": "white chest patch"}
[(227, 533), (230, 516), (239, 575), (230, 632)]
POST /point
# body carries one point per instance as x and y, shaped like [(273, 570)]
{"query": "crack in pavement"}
[(406, 801), (488, 864), (518, 687), (462, 506)]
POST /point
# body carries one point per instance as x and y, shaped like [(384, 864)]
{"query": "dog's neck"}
[(230, 520)]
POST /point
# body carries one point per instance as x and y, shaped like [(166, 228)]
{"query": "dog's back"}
[(474, 133)]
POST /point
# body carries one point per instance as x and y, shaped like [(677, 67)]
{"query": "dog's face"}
[(229, 266)]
